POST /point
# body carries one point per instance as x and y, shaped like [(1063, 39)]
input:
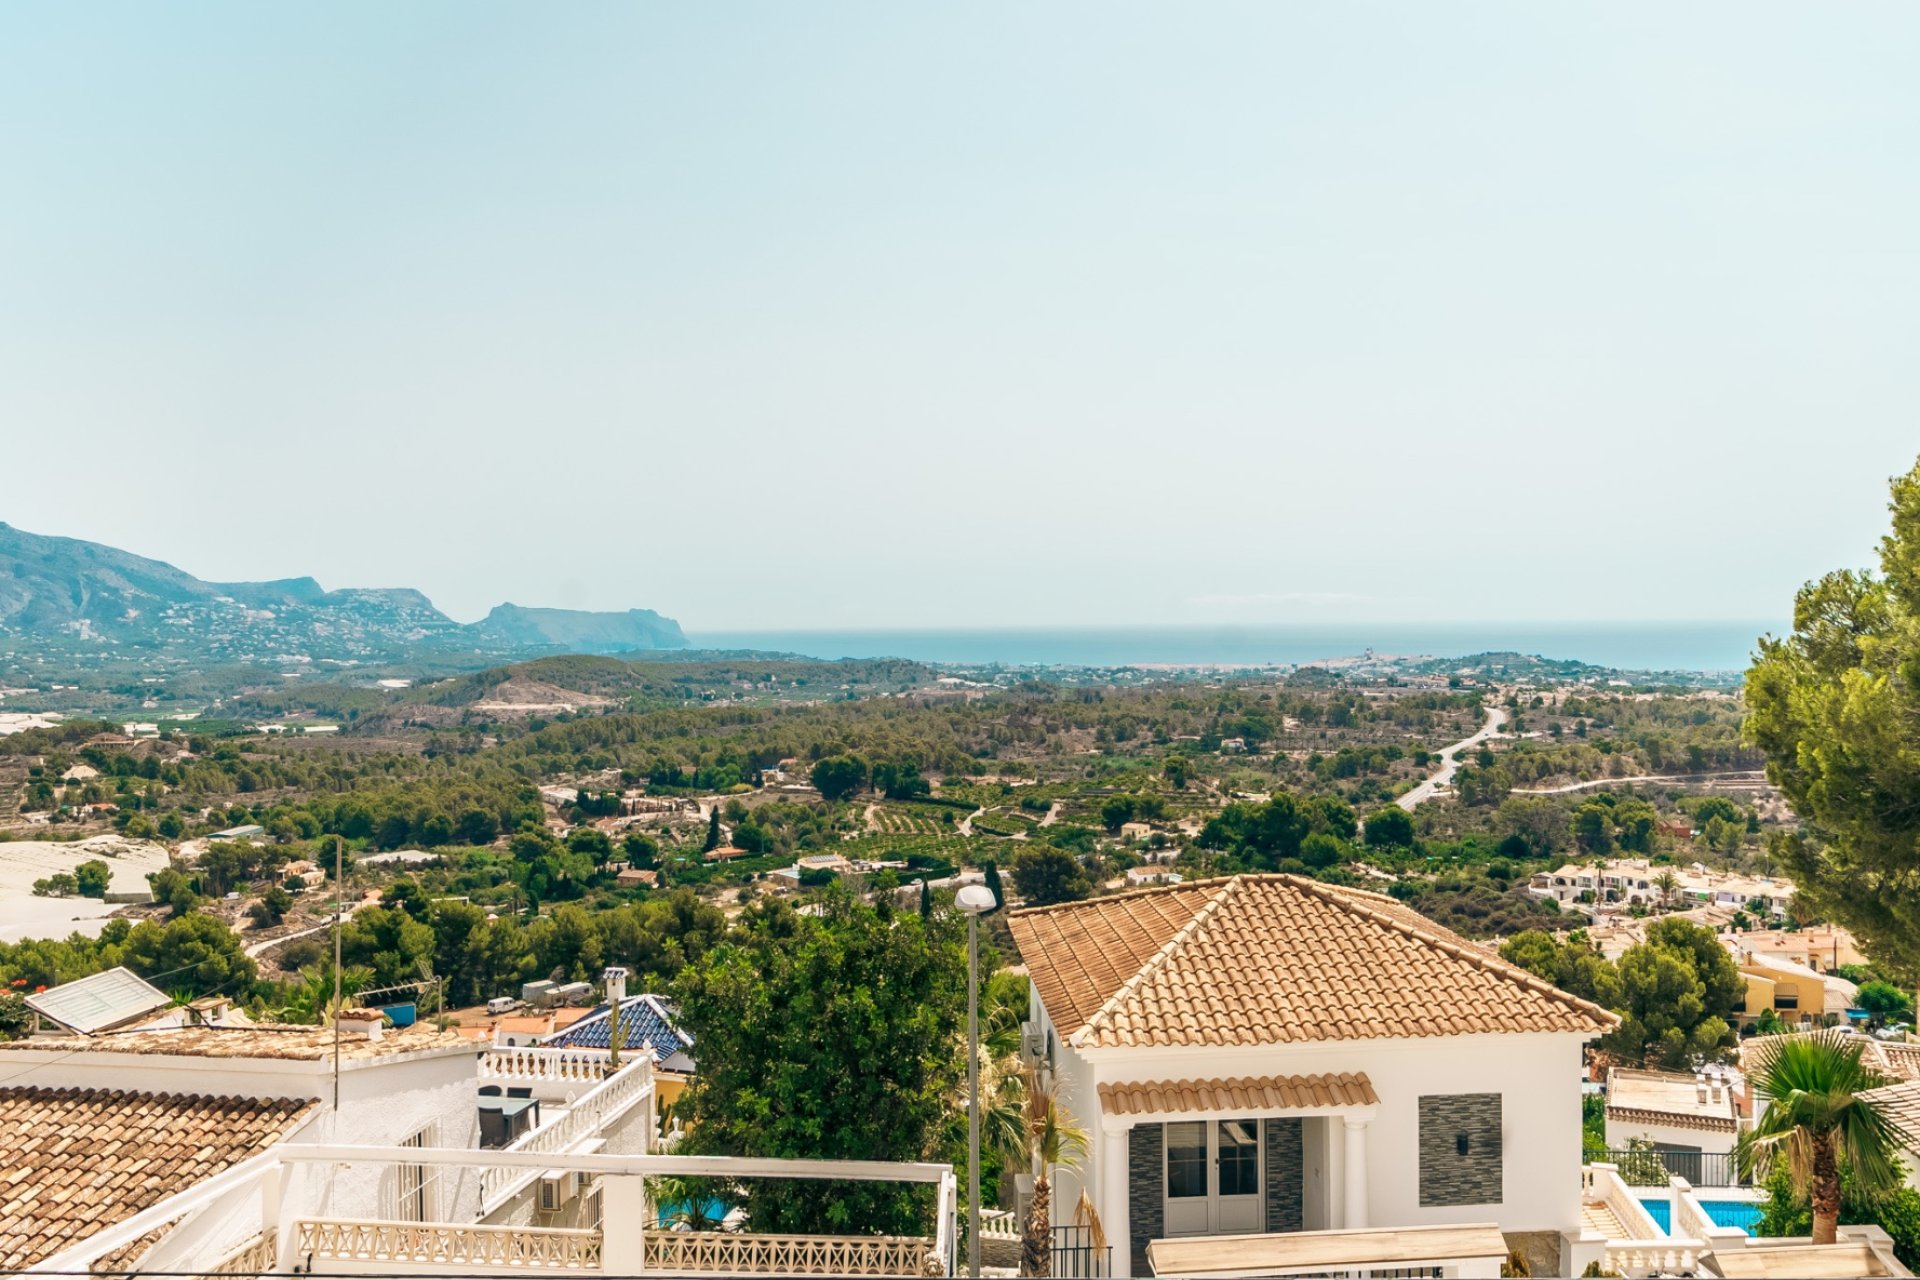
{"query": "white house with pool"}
[(1270, 1055)]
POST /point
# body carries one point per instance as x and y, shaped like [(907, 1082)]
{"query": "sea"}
[(1641, 646)]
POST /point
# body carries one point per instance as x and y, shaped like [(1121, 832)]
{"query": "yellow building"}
[(1794, 992)]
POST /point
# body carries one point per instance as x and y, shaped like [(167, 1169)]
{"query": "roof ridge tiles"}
[(1227, 886)]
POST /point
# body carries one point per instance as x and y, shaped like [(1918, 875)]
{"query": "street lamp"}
[(976, 900)]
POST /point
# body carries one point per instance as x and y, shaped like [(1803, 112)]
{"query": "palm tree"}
[(1668, 884), (310, 1002), (1048, 1137), (1817, 1121)]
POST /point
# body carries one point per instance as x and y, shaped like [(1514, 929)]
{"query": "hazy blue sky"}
[(864, 314)]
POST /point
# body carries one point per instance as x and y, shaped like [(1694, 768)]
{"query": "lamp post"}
[(976, 900)]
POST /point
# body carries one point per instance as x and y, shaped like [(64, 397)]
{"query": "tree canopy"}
[(1836, 707), (1675, 992), (1045, 874), (831, 1037)]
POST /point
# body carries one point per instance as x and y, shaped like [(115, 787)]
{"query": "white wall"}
[(1620, 1131), (1537, 1075), (382, 1102)]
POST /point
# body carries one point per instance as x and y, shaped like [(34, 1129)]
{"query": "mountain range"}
[(83, 594)]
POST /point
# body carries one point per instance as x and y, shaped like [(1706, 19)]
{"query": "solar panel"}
[(101, 1002)]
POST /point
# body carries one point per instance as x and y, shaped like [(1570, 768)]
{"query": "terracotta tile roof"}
[(1900, 1104), (1902, 1060), (1894, 1061), (1271, 959), (307, 1044), (75, 1160), (1261, 1093)]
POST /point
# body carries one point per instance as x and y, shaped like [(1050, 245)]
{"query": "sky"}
[(881, 315)]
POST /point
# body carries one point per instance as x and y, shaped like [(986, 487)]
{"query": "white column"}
[(1115, 1176), (1355, 1175), (623, 1219)]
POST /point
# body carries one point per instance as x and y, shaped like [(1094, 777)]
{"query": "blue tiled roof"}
[(644, 1019)]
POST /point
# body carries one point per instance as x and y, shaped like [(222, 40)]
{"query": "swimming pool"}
[(1725, 1213), (711, 1213)]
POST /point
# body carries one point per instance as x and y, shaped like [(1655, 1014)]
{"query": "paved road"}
[(1747, 777), (1450, 761), (258, 949)]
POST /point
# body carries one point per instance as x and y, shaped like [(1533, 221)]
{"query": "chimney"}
[(616, 980), (368, 1023)]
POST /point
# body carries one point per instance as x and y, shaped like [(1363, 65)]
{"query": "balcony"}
[(550, 1071), (271, 1223), (568, 1125)]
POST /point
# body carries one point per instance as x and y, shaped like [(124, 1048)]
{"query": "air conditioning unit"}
[(1033, 1043), (557, 1190)]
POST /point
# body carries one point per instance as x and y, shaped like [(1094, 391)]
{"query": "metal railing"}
[(1076, 1256), (1643, 1168)]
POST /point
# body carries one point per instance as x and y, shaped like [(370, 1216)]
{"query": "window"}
[(408, 1188), (1239, 1157), (1786, 999), (1186, 1159)]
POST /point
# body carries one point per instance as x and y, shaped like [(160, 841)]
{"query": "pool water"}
[(1725, 1213), (1733, 1213), (714, 1211)]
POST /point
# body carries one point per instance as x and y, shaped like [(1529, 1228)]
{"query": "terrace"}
[(264, 1216), (1634, 1228)]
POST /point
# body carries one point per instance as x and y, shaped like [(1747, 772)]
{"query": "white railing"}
[(388, 1246), (946, 1252), (1689, 1217), (999, 1224), (1602, 1184), (1654, 1257), (725, 1253), (588, 1118), (257, 1257), (446, 1246), (585, 1066)]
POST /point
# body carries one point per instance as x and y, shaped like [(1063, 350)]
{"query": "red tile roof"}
[(1270, 959)]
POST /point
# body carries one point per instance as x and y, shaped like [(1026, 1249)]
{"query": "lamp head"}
[(974, 899)]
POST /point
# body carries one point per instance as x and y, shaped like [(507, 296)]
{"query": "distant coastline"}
[(1644, 646)]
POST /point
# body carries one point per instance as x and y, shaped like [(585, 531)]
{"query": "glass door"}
[(1236, 1196), (1213, 1178), (1188, 1183)]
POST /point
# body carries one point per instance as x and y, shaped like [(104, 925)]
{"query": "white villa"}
[(1269, 1054), (1626, 881), (1692, 1120)]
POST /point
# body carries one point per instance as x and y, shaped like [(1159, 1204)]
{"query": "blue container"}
[(403, 1015)]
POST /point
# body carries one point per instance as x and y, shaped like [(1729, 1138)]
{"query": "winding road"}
[(1450, 761), (1738, 778)]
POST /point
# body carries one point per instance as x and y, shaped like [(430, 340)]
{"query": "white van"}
[(502, 1004)]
